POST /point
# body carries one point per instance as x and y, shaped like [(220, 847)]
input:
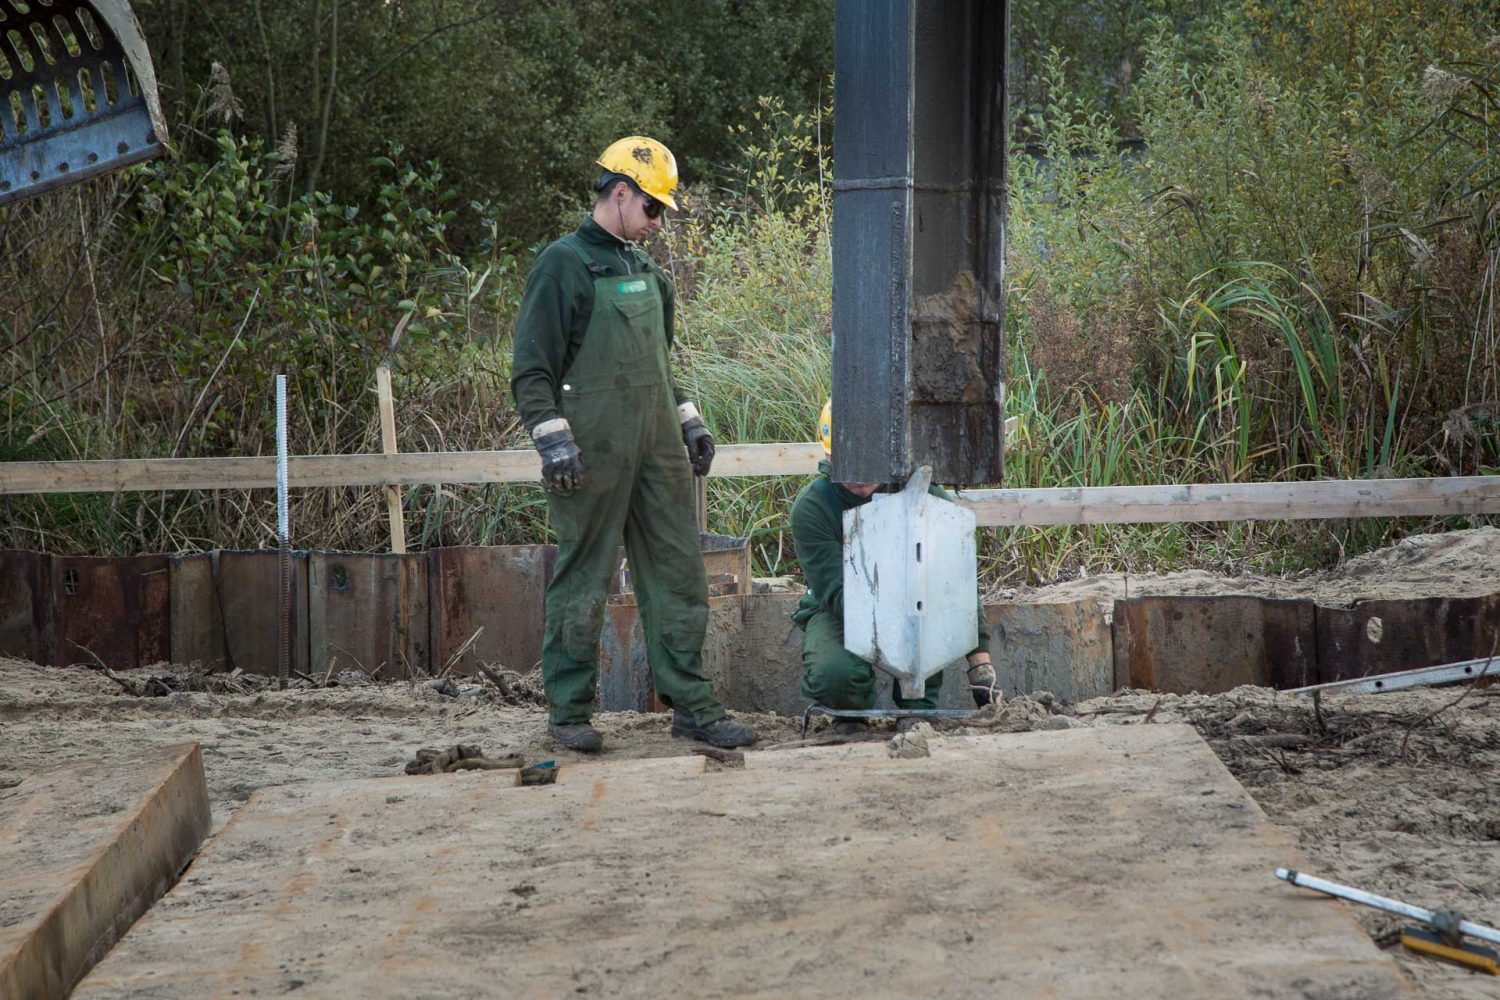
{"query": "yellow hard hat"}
[(825, 427), (645, 161)]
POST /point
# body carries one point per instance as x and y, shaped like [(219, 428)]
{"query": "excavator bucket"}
[(77, 94)]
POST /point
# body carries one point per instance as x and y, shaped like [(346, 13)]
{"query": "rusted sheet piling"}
[(1213, 643)]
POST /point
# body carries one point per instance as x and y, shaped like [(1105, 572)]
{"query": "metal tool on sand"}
[(1441, 933)]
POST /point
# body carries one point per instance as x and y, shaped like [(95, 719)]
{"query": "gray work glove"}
[(982, 683), (700, 443), (562, 462)]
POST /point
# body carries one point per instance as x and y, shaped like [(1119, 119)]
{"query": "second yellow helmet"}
[(645, 161), (825, 427)]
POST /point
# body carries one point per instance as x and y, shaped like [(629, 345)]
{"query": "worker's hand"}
[(562, 462), (982, 682), (700, 443)]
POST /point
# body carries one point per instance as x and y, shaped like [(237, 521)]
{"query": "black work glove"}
[(700, 443), (982, 683), (562, 462)]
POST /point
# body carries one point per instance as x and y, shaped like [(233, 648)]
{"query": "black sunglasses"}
[(652, 207)]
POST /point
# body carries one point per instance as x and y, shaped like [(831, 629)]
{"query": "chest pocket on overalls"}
[(639, 330)]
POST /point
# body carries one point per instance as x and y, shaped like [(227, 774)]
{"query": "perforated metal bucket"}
[(77, 93)]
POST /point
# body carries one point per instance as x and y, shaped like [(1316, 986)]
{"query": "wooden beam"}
[(410, 469), (1236, 501), (1080, 505), (388, 447)]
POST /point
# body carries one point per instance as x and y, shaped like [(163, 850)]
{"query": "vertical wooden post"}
[(388, 445), (700, 501)]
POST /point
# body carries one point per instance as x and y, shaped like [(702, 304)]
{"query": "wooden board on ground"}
[(85, 848), (1120, 861)]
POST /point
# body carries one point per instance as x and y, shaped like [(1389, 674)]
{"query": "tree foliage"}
[(515, 99)]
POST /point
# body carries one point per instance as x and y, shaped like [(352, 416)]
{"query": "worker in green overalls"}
[(831, 675), (594, 386)]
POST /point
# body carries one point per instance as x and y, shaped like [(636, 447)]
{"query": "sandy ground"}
[(830, 872), (1451, 564), (1395, 793)]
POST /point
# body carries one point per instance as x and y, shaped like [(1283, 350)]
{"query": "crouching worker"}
[(831, 675)]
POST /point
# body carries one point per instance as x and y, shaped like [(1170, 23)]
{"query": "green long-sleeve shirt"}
[(818, 536), (555, 312)]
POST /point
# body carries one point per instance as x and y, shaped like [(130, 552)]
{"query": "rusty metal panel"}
[(1378, 637), (625, 681), (624, 669), (502, 589), (197, 626), (112, 608), (25, 605), (1212, 644), (224, 610), (368, 610), (726, 559)]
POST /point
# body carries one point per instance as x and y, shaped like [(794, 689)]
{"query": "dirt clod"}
[(910, 744)]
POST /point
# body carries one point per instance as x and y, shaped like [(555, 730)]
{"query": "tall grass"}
[(1269, 285)]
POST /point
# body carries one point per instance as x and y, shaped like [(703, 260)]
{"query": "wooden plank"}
[(1067, 858), (388, 446), (1236, 501), (411, 469), (88, 846), (1162, 504)]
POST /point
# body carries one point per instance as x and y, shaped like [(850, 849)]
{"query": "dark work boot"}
[(724, 732), (851, 727), (581, 736)]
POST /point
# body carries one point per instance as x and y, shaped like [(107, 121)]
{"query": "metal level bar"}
[(283, 544), (1447, 673), (882, 713), (1466, 927)]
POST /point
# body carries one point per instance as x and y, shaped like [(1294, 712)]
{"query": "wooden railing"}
[(1347, 498)]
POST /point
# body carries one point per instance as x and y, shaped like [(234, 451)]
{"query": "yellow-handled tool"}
[(1441, 934)]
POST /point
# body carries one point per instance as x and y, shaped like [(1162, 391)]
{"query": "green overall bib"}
[(617, 396)]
